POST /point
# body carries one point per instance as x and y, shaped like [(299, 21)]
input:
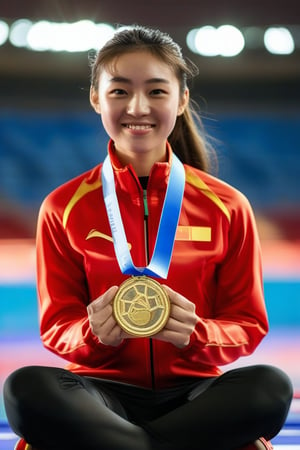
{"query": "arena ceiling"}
[(176, 17)]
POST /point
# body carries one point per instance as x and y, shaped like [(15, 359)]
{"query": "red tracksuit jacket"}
[(216, 263)]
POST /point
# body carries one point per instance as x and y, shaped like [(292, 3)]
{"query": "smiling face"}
[(139, 99)]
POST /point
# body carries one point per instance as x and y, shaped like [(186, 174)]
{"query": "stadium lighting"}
[(4, 31), (206, 43), (18, 32), (43, 35), (230, 40), (225, 40), (279, 41), (84, 35), (190, 39)]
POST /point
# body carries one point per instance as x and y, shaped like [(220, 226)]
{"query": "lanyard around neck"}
[(163, 249)]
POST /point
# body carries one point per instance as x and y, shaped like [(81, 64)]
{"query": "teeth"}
[(138, 127)]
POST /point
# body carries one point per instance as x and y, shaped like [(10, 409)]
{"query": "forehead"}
[(141, 63)]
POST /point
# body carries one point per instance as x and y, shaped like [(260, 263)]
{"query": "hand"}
[(102, 321), (182, 320)]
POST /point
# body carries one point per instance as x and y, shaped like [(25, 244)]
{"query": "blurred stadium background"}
[(250, 103)]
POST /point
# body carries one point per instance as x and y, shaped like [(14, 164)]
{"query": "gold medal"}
[(141, 306)]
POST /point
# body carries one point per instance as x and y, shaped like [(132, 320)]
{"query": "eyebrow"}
[(128, 81)]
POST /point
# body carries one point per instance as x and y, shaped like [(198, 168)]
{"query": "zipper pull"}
[(146, 212)]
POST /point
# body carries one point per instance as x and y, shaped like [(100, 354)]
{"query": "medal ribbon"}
[(163, 249)]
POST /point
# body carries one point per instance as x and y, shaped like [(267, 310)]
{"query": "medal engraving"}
[(141, 306)]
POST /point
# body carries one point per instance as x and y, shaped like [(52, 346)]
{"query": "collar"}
[(127, 179)]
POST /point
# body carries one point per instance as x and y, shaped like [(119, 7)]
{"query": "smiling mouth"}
[(138, 127)]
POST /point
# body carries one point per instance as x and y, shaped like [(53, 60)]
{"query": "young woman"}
[(145, 355)]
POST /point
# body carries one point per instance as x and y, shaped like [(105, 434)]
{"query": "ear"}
[(94, 100), (184, 100)]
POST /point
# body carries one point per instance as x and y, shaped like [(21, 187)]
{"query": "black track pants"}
[(54, 409)]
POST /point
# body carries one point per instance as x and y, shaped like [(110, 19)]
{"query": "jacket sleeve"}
[(63, 294), (238, 321)]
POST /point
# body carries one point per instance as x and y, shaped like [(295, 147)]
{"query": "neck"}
[(143, 162)]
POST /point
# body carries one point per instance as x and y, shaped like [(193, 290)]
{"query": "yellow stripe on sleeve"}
[(83, 189), (197, 182)]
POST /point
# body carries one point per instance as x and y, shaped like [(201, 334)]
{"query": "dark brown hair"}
[(188, 137)]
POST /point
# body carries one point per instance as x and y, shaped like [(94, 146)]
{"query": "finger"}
[(103, 327), (178, 339), (182, 315), (103, 300), (114, 337), (97, 319), (179, 326), (106, 327), (178, 299)]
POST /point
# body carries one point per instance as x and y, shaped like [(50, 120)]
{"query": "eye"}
[(118, 92), (158, 92)]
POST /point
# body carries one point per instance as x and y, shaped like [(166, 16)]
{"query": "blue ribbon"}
[(163, 249)]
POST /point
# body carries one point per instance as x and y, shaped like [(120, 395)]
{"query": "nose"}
[(138, 105)]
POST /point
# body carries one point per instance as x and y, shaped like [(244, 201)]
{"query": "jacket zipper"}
[(146, 214)]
